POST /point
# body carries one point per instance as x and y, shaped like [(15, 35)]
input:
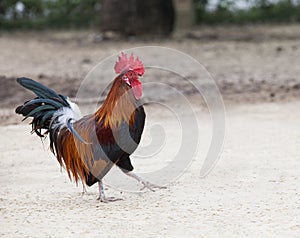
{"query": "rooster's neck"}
[(118, 106)]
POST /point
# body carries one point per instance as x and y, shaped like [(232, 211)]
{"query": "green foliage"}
[(260, 11), (75, 13), (40, 14)]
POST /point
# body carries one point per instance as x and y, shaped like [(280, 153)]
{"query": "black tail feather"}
[(41, 108), (40, 90)]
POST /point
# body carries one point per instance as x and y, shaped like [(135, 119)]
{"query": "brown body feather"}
[(78, 158)]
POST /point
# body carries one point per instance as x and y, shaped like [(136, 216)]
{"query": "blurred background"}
[(132, 17), (250, 47)]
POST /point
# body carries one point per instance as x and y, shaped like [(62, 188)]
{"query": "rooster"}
[(88, 147)]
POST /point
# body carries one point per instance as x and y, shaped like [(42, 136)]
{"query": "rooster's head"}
[(130, 69)]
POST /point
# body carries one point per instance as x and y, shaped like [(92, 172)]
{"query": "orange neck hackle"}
[(119, 105)]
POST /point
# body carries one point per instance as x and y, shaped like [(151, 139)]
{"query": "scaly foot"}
[(146, 184), (108, 199), (102, 197), (151, 186)]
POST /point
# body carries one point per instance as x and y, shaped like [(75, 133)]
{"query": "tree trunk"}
[(137, 17), (185, 14)]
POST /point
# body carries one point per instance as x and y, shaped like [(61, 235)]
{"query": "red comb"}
[(124, 64)]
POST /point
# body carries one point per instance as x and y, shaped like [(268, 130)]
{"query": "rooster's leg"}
[(146, 184), (102, 197), (101, 192)]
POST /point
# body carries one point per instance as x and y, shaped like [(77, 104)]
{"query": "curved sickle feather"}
[(75, 133)]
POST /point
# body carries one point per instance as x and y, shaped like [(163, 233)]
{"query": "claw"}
[(151, 186)]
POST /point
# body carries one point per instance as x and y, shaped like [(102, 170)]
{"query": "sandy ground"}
[(253, 191)]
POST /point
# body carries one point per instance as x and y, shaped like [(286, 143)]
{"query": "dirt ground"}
[(254, 190)]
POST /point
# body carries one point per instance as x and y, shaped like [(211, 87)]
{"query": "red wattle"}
[(137, 89)]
